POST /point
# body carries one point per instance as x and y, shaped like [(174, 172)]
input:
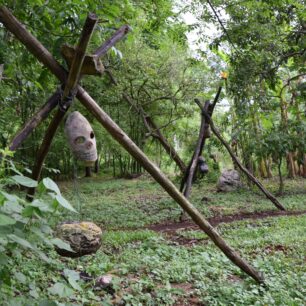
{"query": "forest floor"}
[(155, 260)]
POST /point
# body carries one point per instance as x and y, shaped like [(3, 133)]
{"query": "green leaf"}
[(47, 303), (6, 220), (24, 181), (43, 206), (41, 188), (10, 197), (62, 244), (24, 243), (2, 199), (63, 202), (73, 277), (51, 185), (20, 277), (74, 284), (3, 259), (61, 289)]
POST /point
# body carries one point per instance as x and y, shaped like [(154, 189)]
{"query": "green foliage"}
[(25, 229)]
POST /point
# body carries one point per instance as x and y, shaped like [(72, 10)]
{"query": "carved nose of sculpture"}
[(89, 145)]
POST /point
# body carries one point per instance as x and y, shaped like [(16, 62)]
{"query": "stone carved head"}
[(81, 138)]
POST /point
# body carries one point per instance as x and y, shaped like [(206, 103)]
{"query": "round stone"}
[(84, 238)]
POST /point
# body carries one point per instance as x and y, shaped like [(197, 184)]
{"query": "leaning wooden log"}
[(117, 36), (68, 95), (190, 171), (131, 147), (40, 115), (156, 173), (249, 175)]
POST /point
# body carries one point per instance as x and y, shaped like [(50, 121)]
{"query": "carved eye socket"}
[(92, 135), (79, 140)]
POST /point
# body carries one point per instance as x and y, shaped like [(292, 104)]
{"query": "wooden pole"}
[(40, 115), (196, 154), (249, 175), (187, 179), (117, 36), (72, 81), (131, 147)]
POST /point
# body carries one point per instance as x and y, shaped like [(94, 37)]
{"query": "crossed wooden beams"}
[(44, 56)]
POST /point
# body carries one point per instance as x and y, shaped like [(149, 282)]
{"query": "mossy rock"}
[(84, 238)]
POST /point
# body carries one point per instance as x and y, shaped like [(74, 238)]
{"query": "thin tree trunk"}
[(290, 165), (97, 165), (281, 181)]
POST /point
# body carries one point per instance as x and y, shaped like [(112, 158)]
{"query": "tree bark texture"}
[(130, 146)]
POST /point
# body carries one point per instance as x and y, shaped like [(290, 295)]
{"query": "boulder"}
[(229, 181), (84, 238)]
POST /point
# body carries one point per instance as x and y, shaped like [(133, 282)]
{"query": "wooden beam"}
[(196, 154), (92, 65), (72, 81), (117, 36), (40, 115), (132, 148)]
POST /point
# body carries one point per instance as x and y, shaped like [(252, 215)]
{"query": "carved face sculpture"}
[(81, 138)]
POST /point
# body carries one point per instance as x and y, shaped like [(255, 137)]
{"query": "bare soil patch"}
[(172, 227)]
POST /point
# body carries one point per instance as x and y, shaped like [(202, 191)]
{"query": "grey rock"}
[(84, 238), (229, 181)]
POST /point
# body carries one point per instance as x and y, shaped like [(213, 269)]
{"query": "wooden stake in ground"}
[(131, 147)]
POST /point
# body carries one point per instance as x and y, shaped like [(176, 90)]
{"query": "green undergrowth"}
[(175, 268), (136, 203)]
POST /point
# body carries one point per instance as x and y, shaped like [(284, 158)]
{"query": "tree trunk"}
[(290, 165), (281, 181)]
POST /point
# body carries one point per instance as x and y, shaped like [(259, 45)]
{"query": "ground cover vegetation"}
[(256, 53)]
